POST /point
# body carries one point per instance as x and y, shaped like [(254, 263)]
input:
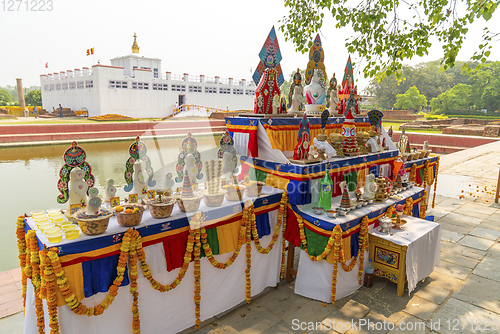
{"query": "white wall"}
[(139, 103)]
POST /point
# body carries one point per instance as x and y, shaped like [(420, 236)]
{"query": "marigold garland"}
[(21, 247), (197, 277), (283, 216), (335, 243), (425, 173), (185, 266), (247, 223), (47, 272), (413, 173), (423, 205), (435, 182), (408, 207), (132, 261)]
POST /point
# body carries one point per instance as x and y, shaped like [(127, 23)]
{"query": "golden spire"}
[(135, 47)]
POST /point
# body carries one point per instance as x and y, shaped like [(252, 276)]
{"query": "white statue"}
[(94, 203), (310, 154), (168, 183), (276, 104), (315, 92), (140, 180), (370, 187), (426, 146), (334, 101), (297, 99), (110, 190), (190, 165), (372, 143), (77, 187)]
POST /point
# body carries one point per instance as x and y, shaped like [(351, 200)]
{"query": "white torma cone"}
[(110, 190), (140, 180), (94, 202), (370, 187), (77, 187)]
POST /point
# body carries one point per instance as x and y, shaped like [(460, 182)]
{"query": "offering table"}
[(314, 278), (90, 265), (410, 253)]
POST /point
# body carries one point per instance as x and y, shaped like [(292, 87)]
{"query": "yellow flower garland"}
[(335, 243), (197, 277), (423, 205), (413, 173), (47, 273), (435, 182), (408, 207)]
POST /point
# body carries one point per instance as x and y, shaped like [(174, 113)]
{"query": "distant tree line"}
[(9, 97), (459, 90)]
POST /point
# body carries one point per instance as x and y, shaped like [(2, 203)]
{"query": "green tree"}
[(5, 95), (411, 100), (485, 81), (427, 77), (33, 98), (386, 32), (457, 98)]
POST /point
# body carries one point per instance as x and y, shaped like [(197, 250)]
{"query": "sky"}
[(214, 38)]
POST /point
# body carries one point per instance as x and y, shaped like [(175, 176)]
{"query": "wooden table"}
[(409, 254)]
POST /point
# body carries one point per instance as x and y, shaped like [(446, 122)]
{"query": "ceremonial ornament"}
[(73, 157), (316, 60), (348, 93), (189, 146), (270, 57), (226, 144), (138, 152)]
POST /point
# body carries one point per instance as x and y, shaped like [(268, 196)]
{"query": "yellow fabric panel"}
[(362, 177), (284, 138), (276, 181), (346, 244), (228, 236), (74, 275)]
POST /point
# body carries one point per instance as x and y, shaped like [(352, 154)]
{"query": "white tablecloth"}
[(423, 239), (173, 311), (314, 279)]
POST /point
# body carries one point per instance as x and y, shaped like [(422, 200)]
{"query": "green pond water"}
[(30, 175)]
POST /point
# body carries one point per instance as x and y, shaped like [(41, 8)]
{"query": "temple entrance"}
[(182, 100)]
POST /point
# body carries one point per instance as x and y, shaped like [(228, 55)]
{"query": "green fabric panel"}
[(316, 243), (352, 180), (213, 241), (421, 170), (257, 175)]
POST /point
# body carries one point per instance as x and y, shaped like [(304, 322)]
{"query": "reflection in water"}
[(30, 175)]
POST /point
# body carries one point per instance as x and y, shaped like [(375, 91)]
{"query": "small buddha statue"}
[(139, 179)]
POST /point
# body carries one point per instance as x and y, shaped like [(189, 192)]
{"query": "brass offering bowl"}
[(214, 200), (126, 218), (94, 224), (234, 193), (160, 209)]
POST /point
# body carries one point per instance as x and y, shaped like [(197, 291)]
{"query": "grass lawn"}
[(31, 120), (395, 127)]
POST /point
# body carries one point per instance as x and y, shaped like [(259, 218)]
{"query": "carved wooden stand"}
[(390, 260)]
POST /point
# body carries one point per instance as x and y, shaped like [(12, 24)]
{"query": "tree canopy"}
[(427, 77), (5, 95), (33, 98), (457, 98), (390, 31), (411, 100)]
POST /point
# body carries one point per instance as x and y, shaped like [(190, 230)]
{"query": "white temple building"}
[(135, 86)]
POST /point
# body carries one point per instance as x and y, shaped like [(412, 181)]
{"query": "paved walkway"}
[(466, 287)]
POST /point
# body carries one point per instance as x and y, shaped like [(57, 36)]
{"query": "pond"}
[(30, 176)]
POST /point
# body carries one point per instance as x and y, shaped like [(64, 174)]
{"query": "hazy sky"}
[(217, 37)]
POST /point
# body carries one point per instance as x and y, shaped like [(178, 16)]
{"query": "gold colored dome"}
[(135, 46)]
